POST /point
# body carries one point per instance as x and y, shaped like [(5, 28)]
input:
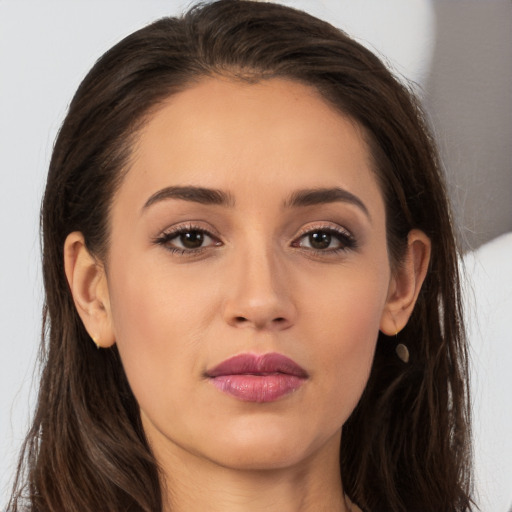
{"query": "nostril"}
[(259, 321)]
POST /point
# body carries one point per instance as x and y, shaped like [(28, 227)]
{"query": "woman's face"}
[(249, 224)]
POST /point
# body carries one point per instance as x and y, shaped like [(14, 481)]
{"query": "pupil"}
[(320, 240), (192, 239)]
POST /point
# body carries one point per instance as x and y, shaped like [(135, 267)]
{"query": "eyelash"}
[(165, 238), (346, 240)]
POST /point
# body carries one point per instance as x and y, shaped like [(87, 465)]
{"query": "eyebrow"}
[(300, 198), (194, 194), (317, 196)]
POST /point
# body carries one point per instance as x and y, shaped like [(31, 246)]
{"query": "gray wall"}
[(469, 95)]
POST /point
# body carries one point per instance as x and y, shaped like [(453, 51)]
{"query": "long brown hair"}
[(406, 445)]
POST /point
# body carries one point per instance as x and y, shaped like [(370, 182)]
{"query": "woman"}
[(252, 297)]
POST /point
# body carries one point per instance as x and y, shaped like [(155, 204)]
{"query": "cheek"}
[(152, 305), (343, 320), (157, 321), (348, 305)]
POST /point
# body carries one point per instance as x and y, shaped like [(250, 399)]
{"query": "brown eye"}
[(320, 240), (326, 240), (187, 240), (192, 239)]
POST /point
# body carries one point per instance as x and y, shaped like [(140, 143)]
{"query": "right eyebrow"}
[(315, 196), (200, 195)]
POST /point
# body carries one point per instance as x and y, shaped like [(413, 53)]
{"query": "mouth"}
[(257, 378)]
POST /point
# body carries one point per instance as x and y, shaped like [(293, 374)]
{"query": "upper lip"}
[(255, 364)]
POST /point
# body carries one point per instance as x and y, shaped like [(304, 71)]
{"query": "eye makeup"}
[(320, 239), (325, 240), (187, 240)]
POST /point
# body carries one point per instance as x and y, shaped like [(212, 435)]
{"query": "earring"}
[(95, 342), (401, 350)]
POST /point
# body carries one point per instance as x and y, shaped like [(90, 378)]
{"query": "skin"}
[(257, 285)]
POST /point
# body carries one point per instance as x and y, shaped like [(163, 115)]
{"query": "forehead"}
[(228, 134)]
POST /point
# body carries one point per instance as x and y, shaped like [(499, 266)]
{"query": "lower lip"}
[(258, 388)]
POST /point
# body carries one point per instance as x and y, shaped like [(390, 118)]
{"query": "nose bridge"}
[(260, 294)]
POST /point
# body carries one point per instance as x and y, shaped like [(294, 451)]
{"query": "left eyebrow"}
[(316, 196)]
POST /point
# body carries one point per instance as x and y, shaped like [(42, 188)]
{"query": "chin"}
[(265, 447), (258, 458)]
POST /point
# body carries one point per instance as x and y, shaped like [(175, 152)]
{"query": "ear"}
[(88, 283), (405, 283)]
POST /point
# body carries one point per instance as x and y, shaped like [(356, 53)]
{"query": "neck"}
[(194, 483)]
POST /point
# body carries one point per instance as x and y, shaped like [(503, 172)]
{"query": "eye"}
[(325, 239), (187, 239), (192, 239)]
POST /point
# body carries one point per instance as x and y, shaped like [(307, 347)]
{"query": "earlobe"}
[(405, 284), (88, 284)]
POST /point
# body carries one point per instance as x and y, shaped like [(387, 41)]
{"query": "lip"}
[(257, 378)]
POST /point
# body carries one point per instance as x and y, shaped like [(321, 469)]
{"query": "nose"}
[(259, 293)]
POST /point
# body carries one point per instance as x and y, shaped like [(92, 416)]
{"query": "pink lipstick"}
[(257, 378)]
